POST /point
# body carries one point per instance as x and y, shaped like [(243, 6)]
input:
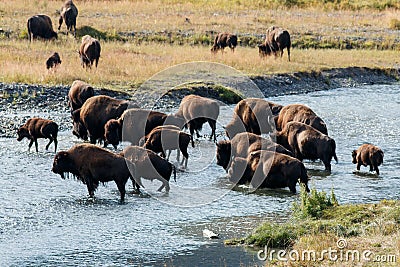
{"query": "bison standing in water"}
[(278, 39), (266, 169), (95, 113), (368, 154), (253, 115), (78, 94), (223, 40), (307, 143), (89, 51), (94, 165), (40, 26), (36, 128), (68, 13)]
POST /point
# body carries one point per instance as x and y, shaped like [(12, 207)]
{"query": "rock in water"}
[(210, 234)]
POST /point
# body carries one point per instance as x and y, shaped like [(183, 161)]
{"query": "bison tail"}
[(304, 178), (333, 144)]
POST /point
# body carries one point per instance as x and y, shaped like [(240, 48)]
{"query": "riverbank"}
[(47, 99), (322, 232)]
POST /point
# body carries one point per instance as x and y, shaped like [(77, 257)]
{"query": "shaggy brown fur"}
[(278, 39), (89, 51), (68, 13), (368, 155), (53, 61), (36, 128), (92, 165), (78, 94), (40, 26), (223, 40)]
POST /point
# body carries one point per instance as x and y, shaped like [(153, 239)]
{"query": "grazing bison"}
[(40, 26), (253, 115), (197, 110), (264, 50), (53, 61), (93, 165), (300, 113), (368, 154), (278, 39), (95, 113), (89, 51), (223, 40), (35, 128), (68, 13), (133, 125), (266, 169), (149, 165), (78, 94), (161, 140), (243, 144), (307, 143)]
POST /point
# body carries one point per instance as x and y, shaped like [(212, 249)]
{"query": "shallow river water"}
[(48, 221)]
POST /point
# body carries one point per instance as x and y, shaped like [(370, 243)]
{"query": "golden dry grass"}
[(127, 64)]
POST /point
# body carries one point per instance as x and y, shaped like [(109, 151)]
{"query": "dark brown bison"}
[(278, 39), (68, 13), (89, 51), (94, 165), (53, 61), (243, 144), (78, 94), (35, 128), (133, 125), (307, 143), (300, 113), (197, 110), (264, 50), (368, 154), (149, 165), (253, 115), (40, 26), (161, 140), (223, 40), (266, 169), (95, 113)]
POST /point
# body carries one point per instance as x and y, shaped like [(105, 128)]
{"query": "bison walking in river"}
[(36, 128), (368, 154)]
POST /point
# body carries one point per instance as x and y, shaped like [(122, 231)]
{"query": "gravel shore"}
[(19, 99)]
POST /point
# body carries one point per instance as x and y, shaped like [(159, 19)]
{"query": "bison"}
[(368, 154), (307, 143), (267, 169), (94, 114), (40, 26), (242, 145), (197, 110), (68, 13), (78, 94), (278, 39), (89, 51), (35, 128), (94, 165), (300, 113), (253, 115), (161, 140), (149, 165), (53, 61), (264, 50), (133, 124), (223, 40)]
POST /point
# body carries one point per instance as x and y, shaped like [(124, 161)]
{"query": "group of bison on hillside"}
[(40, 26), (264, 145)]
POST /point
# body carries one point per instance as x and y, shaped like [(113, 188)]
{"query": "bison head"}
[(112, 133), (62, 164), (224, 154), (80, 131), (354, 156), (22, 132)]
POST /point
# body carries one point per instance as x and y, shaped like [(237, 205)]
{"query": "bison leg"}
[(376, 169), (169, 153), (121, 188), (90, 186), (358, 166), (36, 144), (165, 184), (51, 141), (60, 21), (185, 155), (213, 125), (30, 144)]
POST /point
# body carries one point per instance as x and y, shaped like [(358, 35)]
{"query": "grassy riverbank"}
[(319, 223), (139, 40)]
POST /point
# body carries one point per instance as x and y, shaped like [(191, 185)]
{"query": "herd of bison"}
[(265, 142)]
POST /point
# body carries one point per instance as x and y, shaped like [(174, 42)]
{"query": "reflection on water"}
[(45, 220)]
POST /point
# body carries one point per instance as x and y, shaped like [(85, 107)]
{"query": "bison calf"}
[(368, 154), (53, 61), (36, 128), (223, 40)]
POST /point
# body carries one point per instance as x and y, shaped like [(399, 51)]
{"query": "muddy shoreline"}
[(17, 98)]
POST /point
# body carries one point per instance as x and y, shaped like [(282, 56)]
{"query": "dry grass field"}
[(130, 62)]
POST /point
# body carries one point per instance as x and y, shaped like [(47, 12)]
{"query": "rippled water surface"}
[(45, 220)]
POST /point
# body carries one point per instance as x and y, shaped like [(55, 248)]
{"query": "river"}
[(48, 221)]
